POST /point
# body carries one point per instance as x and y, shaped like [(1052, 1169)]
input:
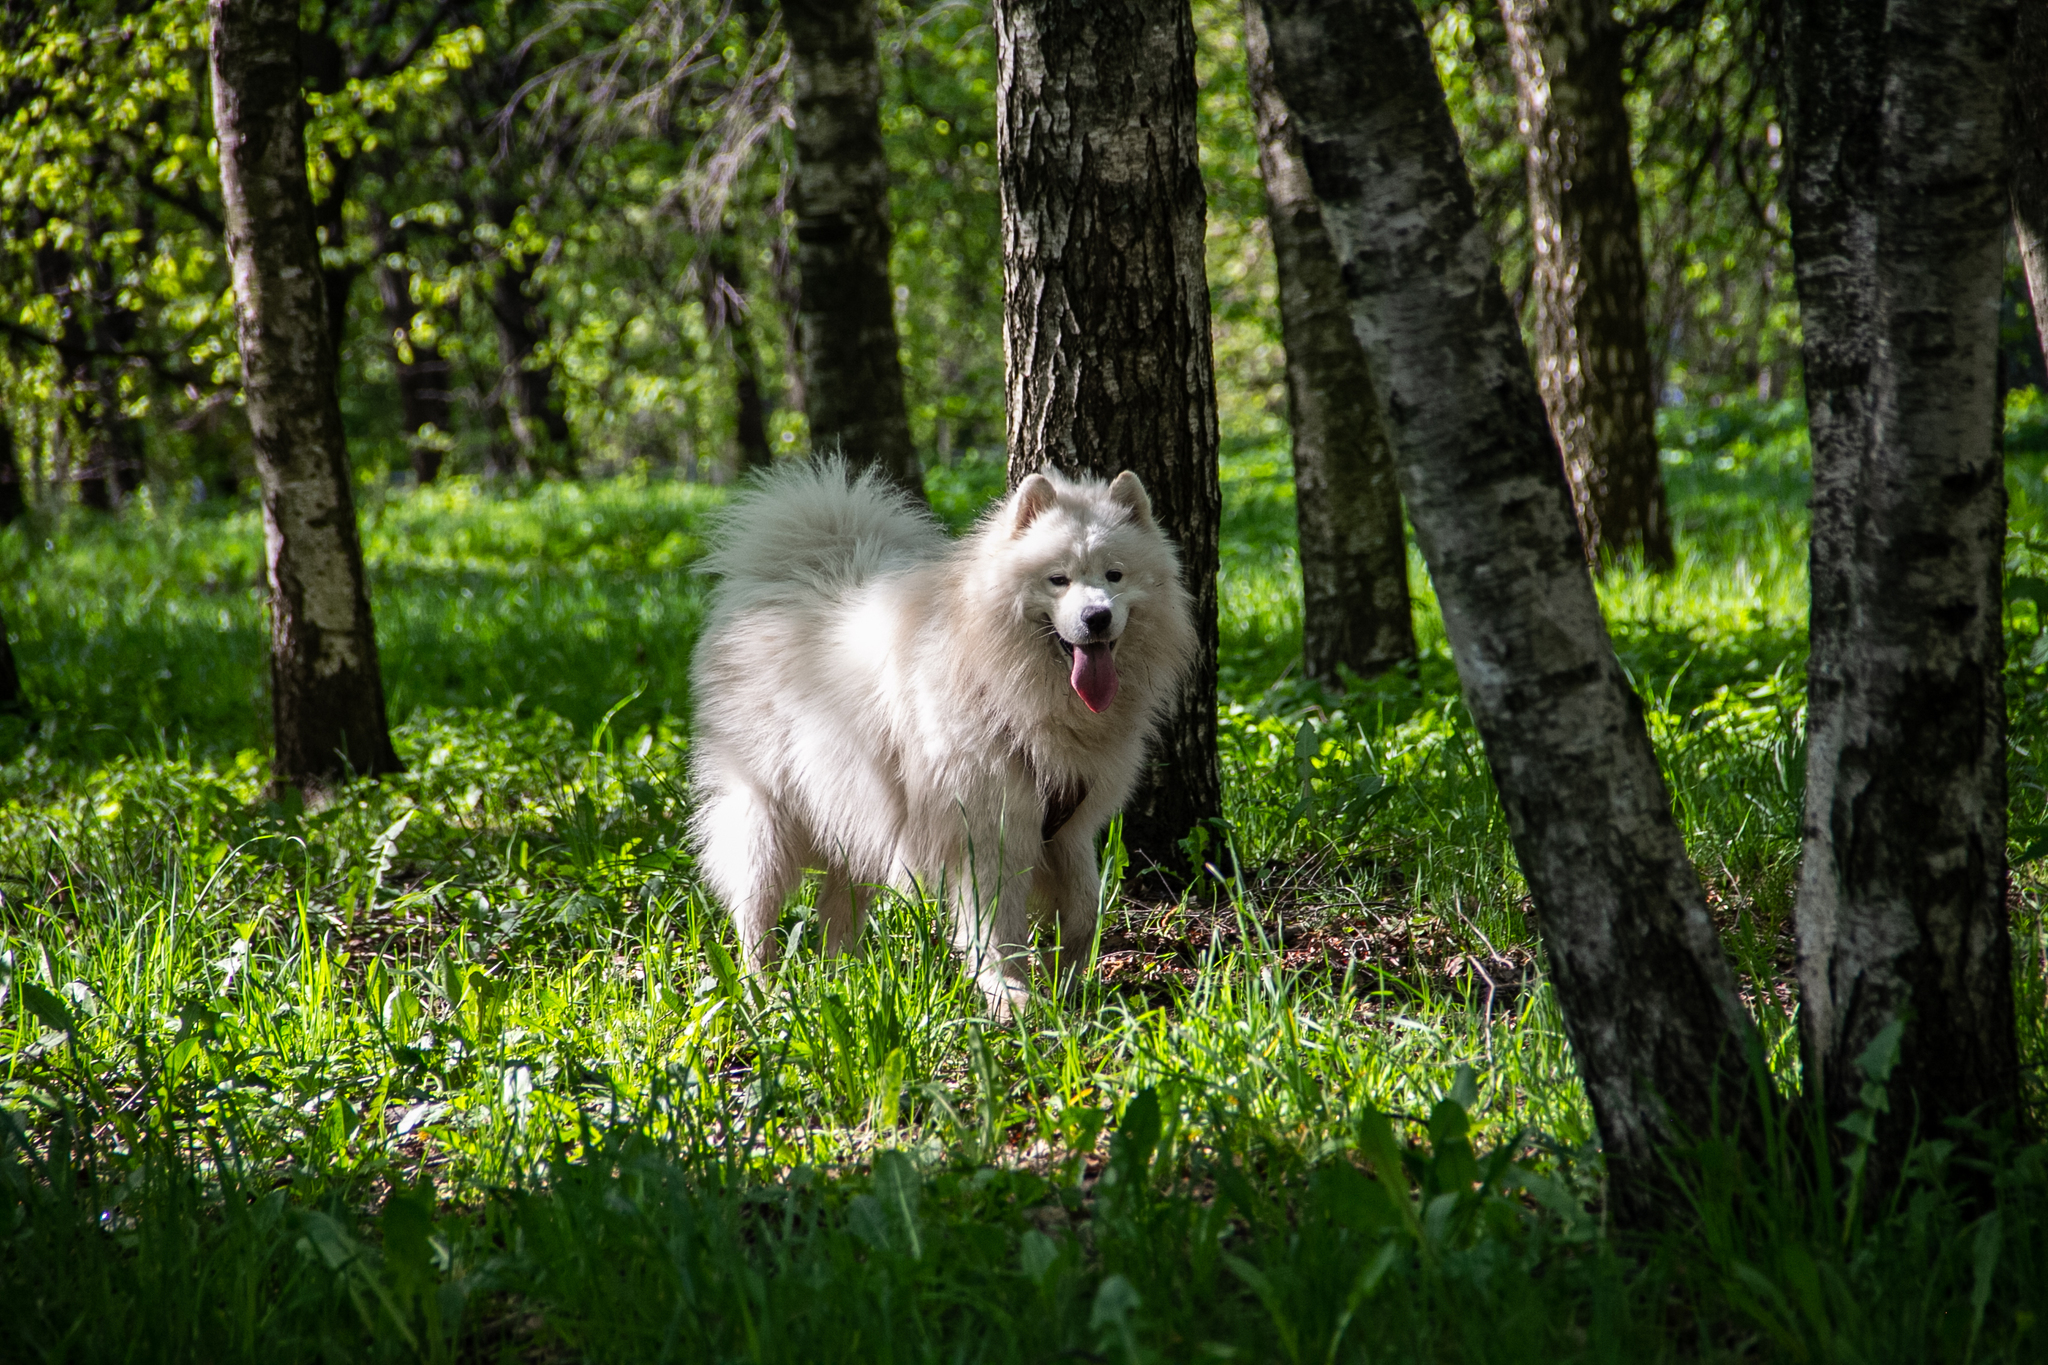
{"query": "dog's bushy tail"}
[(811, 522)]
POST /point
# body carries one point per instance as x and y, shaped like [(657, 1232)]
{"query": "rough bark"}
[(1649, 1000), (725, 308), (1592, 348), (1106, 315), (853, 377), (424, 399), (13, 501), (1354, 558), (327, 695), (2029, 74), (1900, 196)]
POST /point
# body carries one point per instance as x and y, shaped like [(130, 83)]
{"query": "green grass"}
[(459, 1065)]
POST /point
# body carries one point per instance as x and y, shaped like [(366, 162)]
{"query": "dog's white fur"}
[(882, 702)]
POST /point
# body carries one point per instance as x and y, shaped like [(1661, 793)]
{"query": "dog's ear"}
[(1033, 496), (1126, 491)]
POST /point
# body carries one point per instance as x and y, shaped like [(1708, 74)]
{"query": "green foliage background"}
[(619, 145)]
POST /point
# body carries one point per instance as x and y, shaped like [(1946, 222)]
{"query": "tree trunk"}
[(1900, 197), (1592, 350), (93, 393), (327, 695), (725, 308), (2029, 74), (853, 378), (11, 700), (424, 400), (13, 503), (1354, 558), (120, 453), (533, 399), (1106, 315), (1648, 998)]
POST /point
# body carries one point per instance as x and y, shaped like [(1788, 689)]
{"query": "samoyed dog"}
[(889, 706)]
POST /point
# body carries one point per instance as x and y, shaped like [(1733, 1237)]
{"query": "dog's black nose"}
[(1097, 620)]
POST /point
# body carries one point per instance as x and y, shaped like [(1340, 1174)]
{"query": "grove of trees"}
[(332, 244)]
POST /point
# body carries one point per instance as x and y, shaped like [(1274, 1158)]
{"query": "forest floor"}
[(458, 1066)]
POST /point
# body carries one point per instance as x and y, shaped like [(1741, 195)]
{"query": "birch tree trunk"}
[(1106, 315), (853, 377), (327, 695), (1649, 1000), (2029, 73), (1354, 557), (1592, 351), (1900, 196)]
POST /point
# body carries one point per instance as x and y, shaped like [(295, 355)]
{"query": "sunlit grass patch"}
[(467, 1049)]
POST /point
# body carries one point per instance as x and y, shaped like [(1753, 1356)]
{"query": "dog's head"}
[(1097, 576)]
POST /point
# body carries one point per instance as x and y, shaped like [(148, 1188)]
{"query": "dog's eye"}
[(1058, 580), (1115, 575)]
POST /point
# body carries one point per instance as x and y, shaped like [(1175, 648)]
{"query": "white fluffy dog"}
[(879, 701)]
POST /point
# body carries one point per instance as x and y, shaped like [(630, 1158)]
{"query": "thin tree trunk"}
[(534, 401), (324, 67), (1354, 558), (327, 694), (93, 401), (725, 307), (1649, 1000), (424, 399), (2029, 73), (853, 378), (121, 458), (788, 289), (11, 700), (1106, 315), (1592, 347), (1900, 197), (13, 504)]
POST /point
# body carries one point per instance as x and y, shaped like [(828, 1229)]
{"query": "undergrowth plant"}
[(460, 1063)]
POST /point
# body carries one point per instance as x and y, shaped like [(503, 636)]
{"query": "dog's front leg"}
[(991, 923), (1064, 893), (842, 909)]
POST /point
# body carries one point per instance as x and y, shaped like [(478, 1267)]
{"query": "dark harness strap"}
[(1060, 804), (1060, 808)]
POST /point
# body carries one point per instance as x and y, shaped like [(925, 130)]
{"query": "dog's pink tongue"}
[(1094, 676)]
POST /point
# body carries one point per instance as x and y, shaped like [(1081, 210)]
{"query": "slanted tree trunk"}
[(1106, 315), (2029, 73), (1592, 349), (1354, 559), (327, 694), (1648, 997), (424, 400), (725, 308), (853, 378), (1900, 196)]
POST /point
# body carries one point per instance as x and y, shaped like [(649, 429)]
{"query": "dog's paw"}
[(1007, 997)]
